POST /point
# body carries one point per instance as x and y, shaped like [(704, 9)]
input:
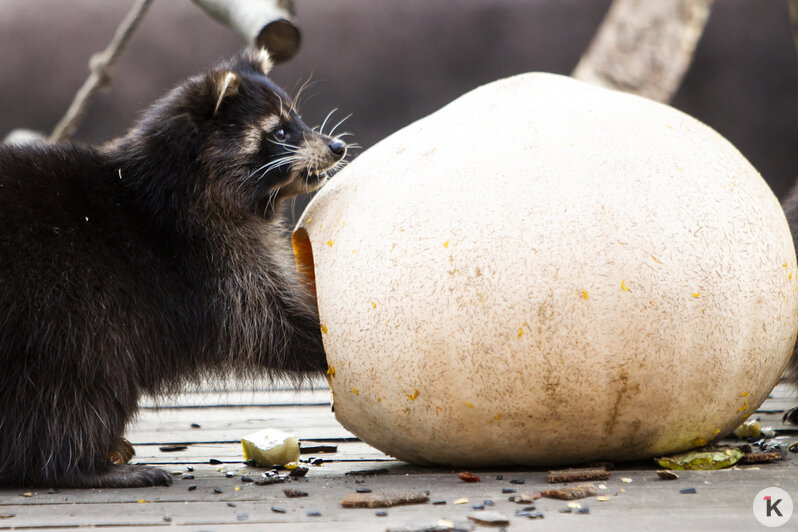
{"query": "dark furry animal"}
[(159, 257)]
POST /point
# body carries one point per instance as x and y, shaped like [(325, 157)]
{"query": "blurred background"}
[(392, 62)]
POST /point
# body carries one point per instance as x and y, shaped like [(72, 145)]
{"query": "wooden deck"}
[(723, 499)]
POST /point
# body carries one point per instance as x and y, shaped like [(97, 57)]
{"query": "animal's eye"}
[(279, 135)]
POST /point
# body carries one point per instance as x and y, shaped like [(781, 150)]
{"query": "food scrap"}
[(704, 460), (382, 500), (770, 456), (270, 447), (749, 429), (571, 492), (467, 476), (489, 518), (576, 474), (525, 498)]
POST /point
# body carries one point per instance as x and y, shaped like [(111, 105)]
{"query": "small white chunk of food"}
[(271, 447)]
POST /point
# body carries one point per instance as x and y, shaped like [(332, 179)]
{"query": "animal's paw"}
[(131, 476)]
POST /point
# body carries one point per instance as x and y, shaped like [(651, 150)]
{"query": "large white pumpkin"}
[(545, 272)]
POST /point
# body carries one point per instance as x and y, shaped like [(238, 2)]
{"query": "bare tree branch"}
[(264, 23), (101, 65), (645, 46)]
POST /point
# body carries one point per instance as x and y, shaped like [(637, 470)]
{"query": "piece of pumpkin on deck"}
[(271, 447)]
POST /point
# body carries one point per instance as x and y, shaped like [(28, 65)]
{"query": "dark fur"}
[(134, 267)]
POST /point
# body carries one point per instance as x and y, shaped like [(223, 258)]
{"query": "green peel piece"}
[(271, 447), (701, 459)]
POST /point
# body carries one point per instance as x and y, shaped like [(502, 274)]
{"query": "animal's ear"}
[(259, 58), (226, 84)]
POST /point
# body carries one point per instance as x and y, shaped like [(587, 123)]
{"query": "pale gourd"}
[(546, 272)]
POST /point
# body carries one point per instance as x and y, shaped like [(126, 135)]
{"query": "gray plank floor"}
[(638, 499)]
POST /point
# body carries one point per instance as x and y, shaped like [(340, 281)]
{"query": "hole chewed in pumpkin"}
[(303, 257)]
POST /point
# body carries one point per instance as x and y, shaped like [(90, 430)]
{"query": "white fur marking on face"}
[(251, 142), (270, 122), (253, 136)]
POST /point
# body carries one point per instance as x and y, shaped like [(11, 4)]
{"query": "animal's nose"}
[(337, 147)]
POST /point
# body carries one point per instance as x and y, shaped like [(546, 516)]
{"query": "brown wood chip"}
[(571, 492), (755, 458), (573, 475), (383, 500), (467, 476), (667, 475)]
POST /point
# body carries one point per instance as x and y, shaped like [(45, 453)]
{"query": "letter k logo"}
[(772, 506), (777, 507)]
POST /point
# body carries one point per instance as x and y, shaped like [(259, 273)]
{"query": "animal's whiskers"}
[(295, 103), (286, 146), (270, 166), (324, 122), (344, 119)]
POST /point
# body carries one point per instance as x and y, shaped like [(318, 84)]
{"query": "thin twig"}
[(101, 65)]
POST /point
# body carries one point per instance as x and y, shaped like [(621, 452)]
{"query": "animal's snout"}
[(337, 147)]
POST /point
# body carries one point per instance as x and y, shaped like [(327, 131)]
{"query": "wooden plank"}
[(229, 424), (723, 501)]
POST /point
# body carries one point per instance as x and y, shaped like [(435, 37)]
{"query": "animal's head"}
[(245, 139)]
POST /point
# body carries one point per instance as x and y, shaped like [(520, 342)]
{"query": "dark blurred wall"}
[(392, 62)]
